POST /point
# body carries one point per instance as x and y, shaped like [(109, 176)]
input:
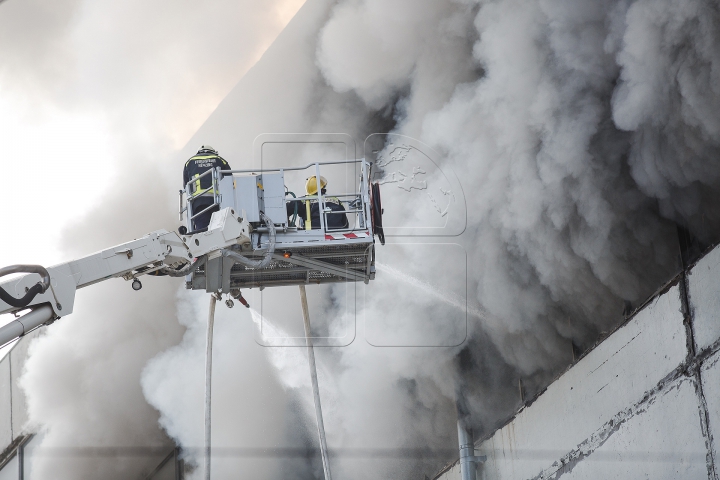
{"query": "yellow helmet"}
[(311, 184)]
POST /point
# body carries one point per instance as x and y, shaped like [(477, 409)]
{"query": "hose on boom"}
[(268, 254), (39, 287), (186, 269)]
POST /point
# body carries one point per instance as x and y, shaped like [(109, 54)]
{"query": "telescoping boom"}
[(251, 242)]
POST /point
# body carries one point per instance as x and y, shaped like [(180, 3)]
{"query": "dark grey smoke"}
[(586, 133)]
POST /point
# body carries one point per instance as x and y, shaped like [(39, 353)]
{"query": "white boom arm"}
[(51, 293)]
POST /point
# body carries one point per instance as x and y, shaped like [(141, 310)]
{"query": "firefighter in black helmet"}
[(205, 159)]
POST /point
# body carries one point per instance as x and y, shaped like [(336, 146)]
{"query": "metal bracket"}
[(127, 251)]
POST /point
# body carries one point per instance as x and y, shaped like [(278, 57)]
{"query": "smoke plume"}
[(150, 74), (583, 133)]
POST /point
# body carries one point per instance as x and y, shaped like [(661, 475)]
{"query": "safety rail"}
[(357, 202), (192, 194), (363, 212), (291, 169), (353, 198), (280, 251)]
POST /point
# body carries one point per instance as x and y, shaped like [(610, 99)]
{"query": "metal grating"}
[(278, 273)]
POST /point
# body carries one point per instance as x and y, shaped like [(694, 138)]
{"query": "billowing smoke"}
[(583, 133), (588, 131), (148, 75)]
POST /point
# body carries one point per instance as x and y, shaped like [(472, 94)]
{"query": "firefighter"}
[(205, 159), (309, 210)]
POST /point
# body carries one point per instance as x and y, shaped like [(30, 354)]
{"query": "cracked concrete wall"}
[(644, 403)]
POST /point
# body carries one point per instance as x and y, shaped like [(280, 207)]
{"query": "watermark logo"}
[(421, 196), (418, 297)]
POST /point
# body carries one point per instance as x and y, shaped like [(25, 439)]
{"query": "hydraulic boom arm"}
[(50, 293)]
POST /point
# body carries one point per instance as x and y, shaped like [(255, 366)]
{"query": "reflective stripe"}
[(343, 236), (201, 164), (203, 158), (308, 222), (198, 188), (197, 183)]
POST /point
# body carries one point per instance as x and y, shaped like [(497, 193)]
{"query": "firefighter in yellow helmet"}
[(309, 210)]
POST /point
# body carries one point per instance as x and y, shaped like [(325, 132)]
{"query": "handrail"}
[(314, 197), (191, 197), (360, 209), (337, 162), (200, 193), (321, 198), (205, 210), (194, 179)]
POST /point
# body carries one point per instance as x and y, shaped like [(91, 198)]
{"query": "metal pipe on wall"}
[(468, 460), (467, 452)]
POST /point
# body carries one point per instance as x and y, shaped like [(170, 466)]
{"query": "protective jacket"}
[(198, 165), (335, 221)]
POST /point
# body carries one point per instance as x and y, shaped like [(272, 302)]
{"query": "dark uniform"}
[(335, 221), (204, 160)]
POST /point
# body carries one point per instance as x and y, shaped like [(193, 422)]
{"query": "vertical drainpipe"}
[(466, 442), (468, 460)]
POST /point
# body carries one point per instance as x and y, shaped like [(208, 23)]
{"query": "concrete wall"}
[(645, 403)]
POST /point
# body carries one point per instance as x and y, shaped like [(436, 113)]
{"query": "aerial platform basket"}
[(291, 253)]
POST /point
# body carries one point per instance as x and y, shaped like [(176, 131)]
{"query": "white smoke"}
[(582, 132), (173, 382), (149, 75), (523, 99)]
